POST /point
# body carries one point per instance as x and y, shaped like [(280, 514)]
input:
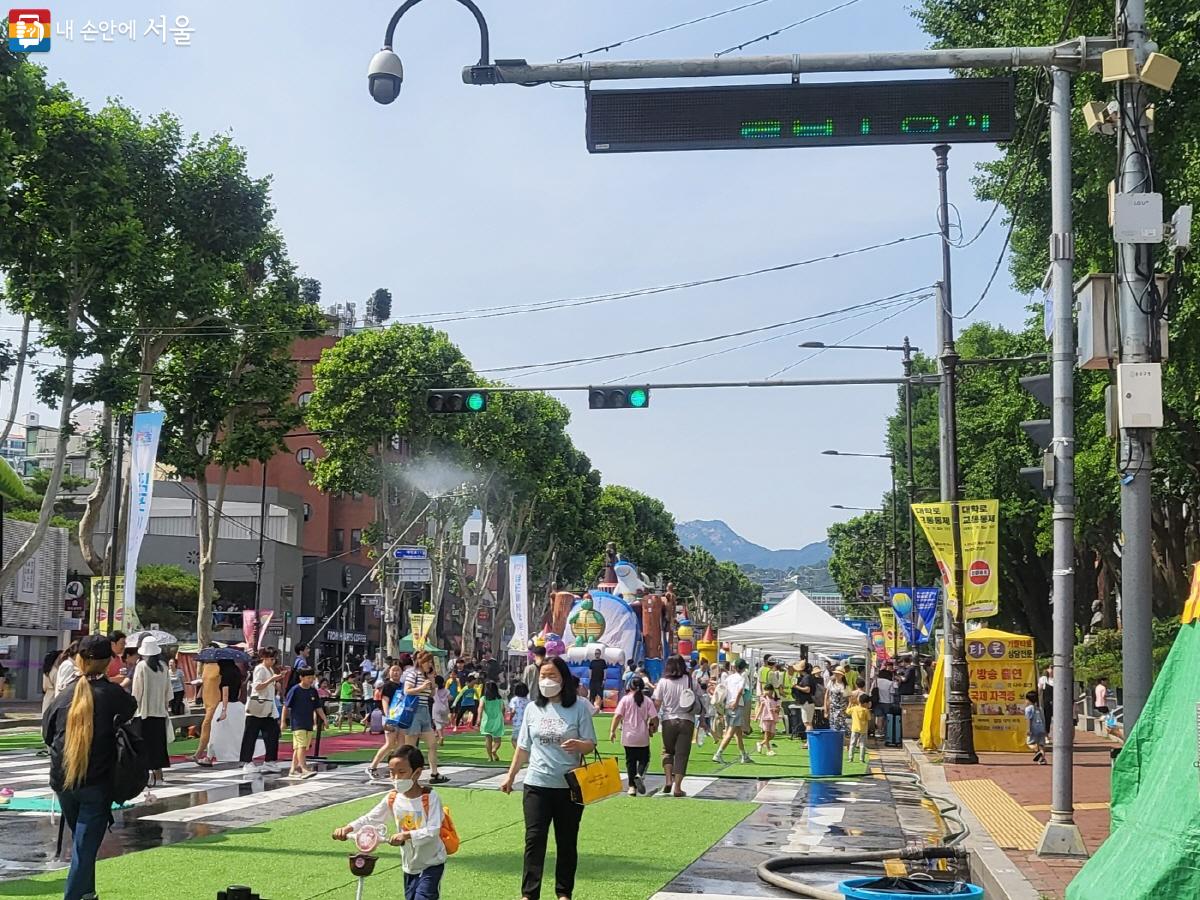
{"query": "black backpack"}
[(130, 772)]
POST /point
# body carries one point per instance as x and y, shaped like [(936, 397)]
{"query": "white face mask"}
[(400, 785), (549, 687)]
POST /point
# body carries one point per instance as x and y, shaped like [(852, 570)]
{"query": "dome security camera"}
[(384, 76)]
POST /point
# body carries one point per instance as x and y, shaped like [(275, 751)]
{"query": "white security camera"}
[(384, 76)]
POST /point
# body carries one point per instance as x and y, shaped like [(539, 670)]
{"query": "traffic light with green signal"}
[(455, 400), (618, 397)]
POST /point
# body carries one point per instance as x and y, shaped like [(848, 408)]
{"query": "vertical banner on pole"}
[(421, 623), (979, 530), (518, 594), (924, 600), (147, 427), (254, 626), (887, 623)]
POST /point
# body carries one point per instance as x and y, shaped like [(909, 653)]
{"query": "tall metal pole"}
[(1135, 270), (114, 519), (910, 487), (895, 533), (1062, 837), (960, 740), (258, 562)]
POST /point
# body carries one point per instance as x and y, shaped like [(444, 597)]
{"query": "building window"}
[(304, 455), (474, 538), (304, 399), (355, 538), (339, 540), (307, 512)]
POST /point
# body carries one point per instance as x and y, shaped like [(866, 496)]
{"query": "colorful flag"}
[(925, 605)]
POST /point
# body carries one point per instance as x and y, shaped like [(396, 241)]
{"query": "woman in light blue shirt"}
[(556, 733)]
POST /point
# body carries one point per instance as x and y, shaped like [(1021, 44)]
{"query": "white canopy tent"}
[(796, 620)]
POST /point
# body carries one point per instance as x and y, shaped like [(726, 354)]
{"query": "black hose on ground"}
[(769, 870)]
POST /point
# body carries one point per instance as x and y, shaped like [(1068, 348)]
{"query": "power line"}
[(436, 318), (851, 337), (656, 32), (906, 304), (779, 31)]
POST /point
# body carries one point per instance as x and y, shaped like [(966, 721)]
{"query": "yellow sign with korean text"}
[(979, 533), (1002, 671), (891, 638)]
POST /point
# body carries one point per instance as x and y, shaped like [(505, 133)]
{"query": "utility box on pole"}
[(1096, 304)]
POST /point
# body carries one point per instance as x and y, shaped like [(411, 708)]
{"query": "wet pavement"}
[(793, 816)]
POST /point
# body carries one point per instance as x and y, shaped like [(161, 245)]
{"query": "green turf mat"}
[(21, 740), (790, 761), (626, 853)]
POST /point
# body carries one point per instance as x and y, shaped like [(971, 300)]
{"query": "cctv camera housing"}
[(384, 76)]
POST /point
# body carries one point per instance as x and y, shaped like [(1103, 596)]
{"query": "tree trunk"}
[(91, 512), (27, 550), (208, 526), (18, 375)]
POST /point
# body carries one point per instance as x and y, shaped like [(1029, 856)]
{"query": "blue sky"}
[(457, 197)]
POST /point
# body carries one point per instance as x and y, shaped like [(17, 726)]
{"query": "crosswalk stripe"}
[(203, 811), (777, 793), (493, 783)]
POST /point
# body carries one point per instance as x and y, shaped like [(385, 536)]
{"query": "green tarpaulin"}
[(1153, 851), (406, 646)]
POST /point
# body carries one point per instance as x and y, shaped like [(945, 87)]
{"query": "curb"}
[(991, 868)]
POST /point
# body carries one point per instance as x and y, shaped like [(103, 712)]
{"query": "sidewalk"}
[(990, 788)]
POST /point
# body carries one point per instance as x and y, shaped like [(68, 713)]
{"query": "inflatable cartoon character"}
[(560, 607), (586, 623), (554, 645), (685, 634)]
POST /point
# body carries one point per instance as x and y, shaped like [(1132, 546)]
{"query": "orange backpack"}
[(448, 833)]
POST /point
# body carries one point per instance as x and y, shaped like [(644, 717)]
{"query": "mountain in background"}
[(726, 544)]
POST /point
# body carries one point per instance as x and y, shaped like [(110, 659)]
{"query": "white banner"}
[(147, 426), (518, 598)]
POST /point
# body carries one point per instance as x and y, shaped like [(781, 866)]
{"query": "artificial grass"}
[(21, 740), (790, 761), (627, 852)]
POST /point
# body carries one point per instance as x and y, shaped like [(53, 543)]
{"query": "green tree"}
[(379, 438), (228, 394), (716, 593), (860, 549), (167, 595), (201, 214), (641, 527), (1019, 180), (71, 240), (379, 306)]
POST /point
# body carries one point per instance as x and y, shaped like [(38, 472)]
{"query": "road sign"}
[(728, 117), (306, 620), (370, 599), (865, 592), (410, 553), (413, 571)]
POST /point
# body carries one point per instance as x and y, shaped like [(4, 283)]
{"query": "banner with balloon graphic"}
[(925, 604)]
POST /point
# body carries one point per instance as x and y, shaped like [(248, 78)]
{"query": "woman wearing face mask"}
[(556, 733)]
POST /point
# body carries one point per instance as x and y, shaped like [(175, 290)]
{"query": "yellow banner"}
[(1191, 609), (102, 601), (979, 532), (421, 623), (891, 631)]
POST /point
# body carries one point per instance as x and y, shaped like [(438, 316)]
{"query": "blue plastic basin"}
[(852, 891)]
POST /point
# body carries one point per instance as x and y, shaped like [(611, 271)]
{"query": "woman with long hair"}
[(678, 721), (556, 733), (80, 729), (418, 682), (638, 720), (152, 691)]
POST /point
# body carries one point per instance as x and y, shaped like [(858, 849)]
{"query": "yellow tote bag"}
[(594, 780)]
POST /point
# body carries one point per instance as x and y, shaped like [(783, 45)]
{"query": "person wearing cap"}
[(152, 691), (80, 730)]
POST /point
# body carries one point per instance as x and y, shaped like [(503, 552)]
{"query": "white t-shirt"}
[(262, 675), (424, 847), (734, 685)]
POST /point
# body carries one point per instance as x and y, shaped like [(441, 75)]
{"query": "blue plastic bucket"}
[(825, 752), (851, 891)]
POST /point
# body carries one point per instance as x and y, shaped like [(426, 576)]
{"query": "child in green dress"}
[(492, 726)]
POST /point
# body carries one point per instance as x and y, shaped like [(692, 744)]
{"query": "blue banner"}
[(147, 426), (926, 607), (863, 625)]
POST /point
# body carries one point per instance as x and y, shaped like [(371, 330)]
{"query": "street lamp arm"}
[(484, 50)]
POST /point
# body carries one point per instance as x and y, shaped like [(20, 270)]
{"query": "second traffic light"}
[(1041, 431), (442, 401), (618, 397)]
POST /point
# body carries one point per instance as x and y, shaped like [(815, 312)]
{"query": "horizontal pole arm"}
[(684, 385), (1074, 55)]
